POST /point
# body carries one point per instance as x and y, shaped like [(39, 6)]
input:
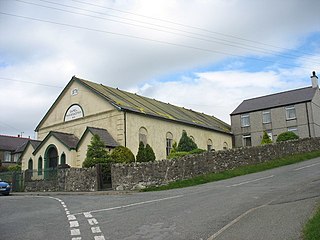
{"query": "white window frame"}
[(244, 141), (289, 111), (293, 129), (245, 120), (270, 135), (266, 119), (7, 156)]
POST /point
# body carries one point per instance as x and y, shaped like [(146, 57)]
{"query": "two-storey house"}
[(296, 110)]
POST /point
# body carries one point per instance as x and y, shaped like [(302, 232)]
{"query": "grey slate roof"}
[(67, 139), (11, 143), (104, 136), (276, 100), (34, 143)]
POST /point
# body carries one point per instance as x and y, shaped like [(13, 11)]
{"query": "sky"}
[(205, 55)]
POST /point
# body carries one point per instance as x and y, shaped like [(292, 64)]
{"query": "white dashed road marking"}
[(308, 166), (250, 181)]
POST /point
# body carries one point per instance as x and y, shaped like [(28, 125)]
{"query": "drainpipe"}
[(125, 129), (308, 120)]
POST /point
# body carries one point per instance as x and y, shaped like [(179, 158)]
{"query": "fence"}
[(15, 179)]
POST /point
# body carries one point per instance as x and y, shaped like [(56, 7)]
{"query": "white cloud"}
[(51, 54)]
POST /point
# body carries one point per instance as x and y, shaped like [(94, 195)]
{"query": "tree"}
[(286, 136), (122, 154), (150, 156), (141, 155), (265, 139), (186, 144), (96, 152)]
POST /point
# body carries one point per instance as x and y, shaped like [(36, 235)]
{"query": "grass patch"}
[(311, 230), (212, 177)]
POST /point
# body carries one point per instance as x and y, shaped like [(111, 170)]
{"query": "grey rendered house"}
[(296, 110)]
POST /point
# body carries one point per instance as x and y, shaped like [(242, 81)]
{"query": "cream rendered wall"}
[(157, 130), (96, 110), (26, 157)]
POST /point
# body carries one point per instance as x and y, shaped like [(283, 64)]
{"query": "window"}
[(209, 145), (245, 120), (270, 135), (294, 130), (7, 156), (266, 116), (63, 159), (40, 162), (169, 140), (247, 140), (30, 167), (290, 112), (143, 135), (16, 157), (225, 146)]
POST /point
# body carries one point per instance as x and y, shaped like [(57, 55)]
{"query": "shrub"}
[(186, 144), (122, 154), (141, 155), (14, 168), (286, 136), (150, 156), (3, 168), (96, 153), (265, 139)]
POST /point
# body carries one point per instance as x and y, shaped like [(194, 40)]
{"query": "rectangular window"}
[(294, 130), (7, 156), (266, 117), (290, 112), (245, 120), (169, 146), (247, 140)]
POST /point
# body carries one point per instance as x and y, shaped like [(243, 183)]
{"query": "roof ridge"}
[(273, 94), (3, 135)]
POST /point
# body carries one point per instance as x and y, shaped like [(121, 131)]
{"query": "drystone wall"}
[(68, 179), (140, 175)]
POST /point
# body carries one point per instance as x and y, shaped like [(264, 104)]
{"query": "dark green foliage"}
[(141, 155), (174, 155), (186, 144), (286, 136), (96, 153), (122, 154), (265, 139), (145, 153), (311, 230), (150, 153), (14, 168)]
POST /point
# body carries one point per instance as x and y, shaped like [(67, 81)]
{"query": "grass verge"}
[(311, 230), (212, 177)]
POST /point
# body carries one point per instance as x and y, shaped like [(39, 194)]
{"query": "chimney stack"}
[(314, 80)]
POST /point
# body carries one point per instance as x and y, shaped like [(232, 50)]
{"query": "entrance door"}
[(53, 158)]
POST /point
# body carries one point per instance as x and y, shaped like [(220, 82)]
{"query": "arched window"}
[(192, 138), (40, 163), (30, 167), (143, 134), (225, 145), (169, 140), (63, 159), (209, 145)]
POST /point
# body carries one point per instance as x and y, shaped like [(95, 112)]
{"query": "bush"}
[(96, 153), (174, 155), (145, 154), (150, 156), (186, 144), (141, 155), (14, 168), (122, 154), (286, 136), (3, 168), (265, 139)]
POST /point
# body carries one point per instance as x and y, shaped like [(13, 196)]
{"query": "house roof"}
[(104, 136), (130, 102), (11, 143), (276, 100), (67, 139), (34, 144)]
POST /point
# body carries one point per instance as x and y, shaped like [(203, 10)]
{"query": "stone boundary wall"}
[(67, 180), (140, 175)]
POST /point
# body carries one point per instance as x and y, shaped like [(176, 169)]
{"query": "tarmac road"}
[(273, 204)]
